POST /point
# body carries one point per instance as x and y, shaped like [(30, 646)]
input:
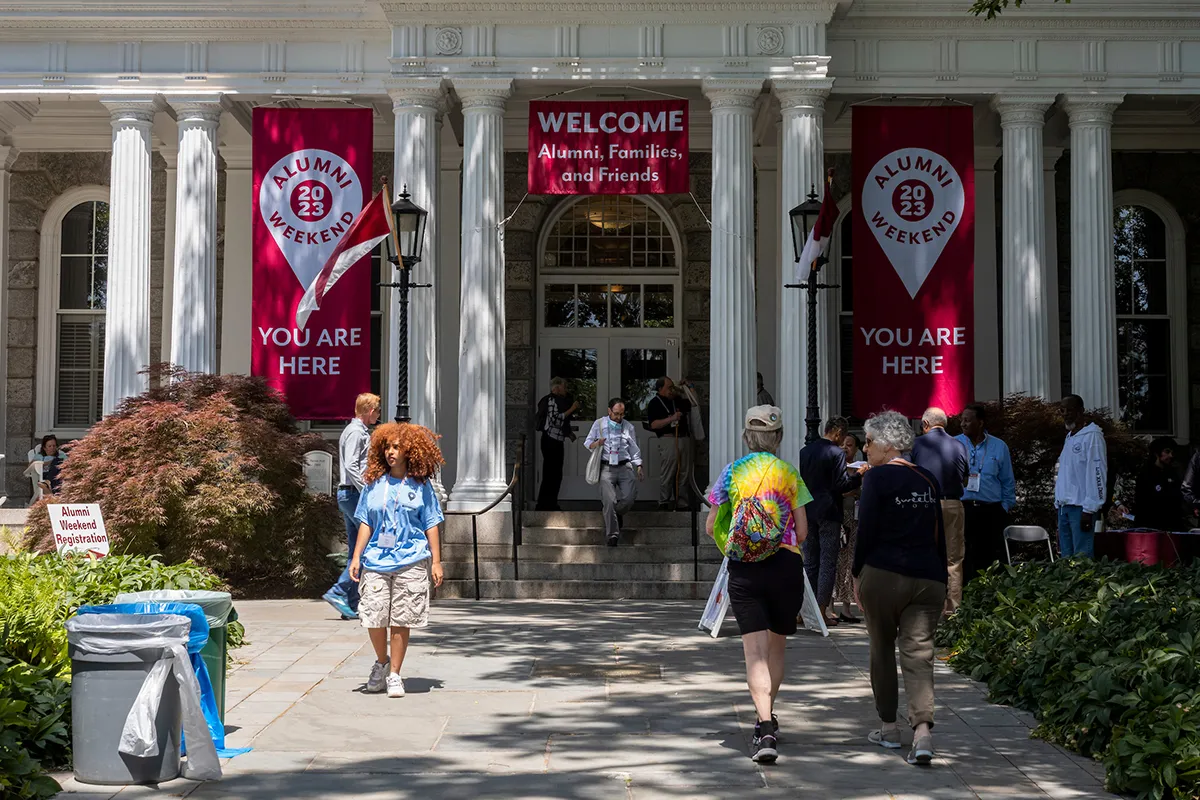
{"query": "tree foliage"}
[(992, 8), (208, 468), (1033, 430)]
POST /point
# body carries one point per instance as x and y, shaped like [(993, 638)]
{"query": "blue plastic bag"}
[(197, 638)]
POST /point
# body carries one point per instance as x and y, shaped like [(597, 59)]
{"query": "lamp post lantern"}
[(803, 217), (408, 240)]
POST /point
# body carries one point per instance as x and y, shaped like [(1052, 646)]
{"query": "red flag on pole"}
[(366, 232), (818, 238)]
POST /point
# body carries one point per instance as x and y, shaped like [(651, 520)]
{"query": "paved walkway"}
[(588, 699)]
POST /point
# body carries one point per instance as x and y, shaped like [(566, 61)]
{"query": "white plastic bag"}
[(111, 634), (718, 605), (592, 476)]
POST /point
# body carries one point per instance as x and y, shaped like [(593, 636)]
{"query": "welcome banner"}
[(312, 174), (914, 259), (634, 147)]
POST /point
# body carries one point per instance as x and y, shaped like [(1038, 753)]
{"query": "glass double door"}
[(597, 370)]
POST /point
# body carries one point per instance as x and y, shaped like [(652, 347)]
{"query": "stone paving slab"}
[(596, 699)]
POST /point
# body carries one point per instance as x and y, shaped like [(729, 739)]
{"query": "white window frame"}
[(1176, 299), (49, 270)]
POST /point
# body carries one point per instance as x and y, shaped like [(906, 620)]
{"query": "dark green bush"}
[(1105, 654), (37, 595)]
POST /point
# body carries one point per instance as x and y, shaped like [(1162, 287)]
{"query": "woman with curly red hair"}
[(397, 557)]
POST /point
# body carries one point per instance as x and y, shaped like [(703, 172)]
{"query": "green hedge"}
[(1107, 655), (37, 595)]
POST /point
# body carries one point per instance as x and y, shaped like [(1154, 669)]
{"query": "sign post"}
[(78, 528)]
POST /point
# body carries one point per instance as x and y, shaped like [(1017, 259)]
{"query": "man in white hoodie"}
[(1082, 483)]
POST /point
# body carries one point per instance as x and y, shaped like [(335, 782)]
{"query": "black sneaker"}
[(775, 722), (764, 748), (612, 540)]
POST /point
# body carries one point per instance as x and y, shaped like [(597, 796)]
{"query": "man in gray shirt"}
[(353, 445)]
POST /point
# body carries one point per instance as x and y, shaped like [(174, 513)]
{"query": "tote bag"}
[(695, 419), (592, 476)]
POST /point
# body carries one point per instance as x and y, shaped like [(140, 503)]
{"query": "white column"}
[(237, 262), (194, 289), (171, 156), (1093, 294), (481, 423), (417, 104), (732, 355), (127, 321), (1024, 268), (447, 287), (987, 312), (767, 277), (1050, 157), (8, 155), (802, 167)]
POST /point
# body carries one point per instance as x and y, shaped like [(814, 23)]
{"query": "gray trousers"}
[(901, 611), (617, 493), (672, 459), (820, 551)]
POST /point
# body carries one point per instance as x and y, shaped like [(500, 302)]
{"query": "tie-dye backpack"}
[(755, 531)]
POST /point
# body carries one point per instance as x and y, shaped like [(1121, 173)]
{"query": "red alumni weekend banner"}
[(627, 147), (312, 174), (914, 259)]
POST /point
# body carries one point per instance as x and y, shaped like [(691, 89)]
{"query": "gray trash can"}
[(218, 610), (104, 686)]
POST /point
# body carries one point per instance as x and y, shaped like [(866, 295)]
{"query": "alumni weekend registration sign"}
[(914, 259)]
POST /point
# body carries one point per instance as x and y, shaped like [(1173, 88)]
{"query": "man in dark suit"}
[(823, 469), (946, 457)]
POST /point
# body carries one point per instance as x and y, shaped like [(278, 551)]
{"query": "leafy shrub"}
[(205, 468), (1105, 654), (1034, 432), (37, 595)]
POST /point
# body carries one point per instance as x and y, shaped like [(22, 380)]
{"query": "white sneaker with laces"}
[(395, 685), (375, 682)]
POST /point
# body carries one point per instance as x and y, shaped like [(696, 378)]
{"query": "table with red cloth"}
[(1148, 546)]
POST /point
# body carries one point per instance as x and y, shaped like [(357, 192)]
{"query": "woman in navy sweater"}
[(900, 575)]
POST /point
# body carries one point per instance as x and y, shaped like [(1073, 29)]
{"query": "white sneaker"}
[(395, 685), (375, 683)]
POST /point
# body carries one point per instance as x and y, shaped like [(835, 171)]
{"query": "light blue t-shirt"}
[(403, 509)]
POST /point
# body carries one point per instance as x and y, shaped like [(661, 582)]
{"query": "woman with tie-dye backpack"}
[(757, 522)]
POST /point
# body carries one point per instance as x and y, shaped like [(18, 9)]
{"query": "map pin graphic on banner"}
[(912, 201), (308, 201)]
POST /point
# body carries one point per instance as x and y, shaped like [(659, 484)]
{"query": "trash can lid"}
[(108, 633), (217, 605)]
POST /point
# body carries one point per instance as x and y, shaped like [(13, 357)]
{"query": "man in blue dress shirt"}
[(990, 495), (939, 452)]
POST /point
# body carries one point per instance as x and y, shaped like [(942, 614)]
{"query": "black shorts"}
[(767, 595)]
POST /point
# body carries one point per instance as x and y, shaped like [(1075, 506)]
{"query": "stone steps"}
[(577, 590), (563, 556)]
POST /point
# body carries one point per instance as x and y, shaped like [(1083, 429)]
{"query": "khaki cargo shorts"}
[(395, 599)]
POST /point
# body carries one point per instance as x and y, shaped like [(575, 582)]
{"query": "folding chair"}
[(1026, 533)]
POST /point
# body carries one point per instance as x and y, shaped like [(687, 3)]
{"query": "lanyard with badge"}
[(388, 538), (973, 479), (614, 430)]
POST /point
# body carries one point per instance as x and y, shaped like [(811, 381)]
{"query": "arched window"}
[(1149, 321), (73, 289)]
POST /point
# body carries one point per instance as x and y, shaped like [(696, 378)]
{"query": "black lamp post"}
[(408, 238), (803, 217)]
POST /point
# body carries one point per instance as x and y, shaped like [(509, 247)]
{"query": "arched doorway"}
[(609, 322)]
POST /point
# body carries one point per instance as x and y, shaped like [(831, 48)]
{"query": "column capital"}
[(138, 110), (1022, 109), (202, 111), (732, 93), (802, 95), (1091, 109), (483, 94), (417, 93), (8, 157)]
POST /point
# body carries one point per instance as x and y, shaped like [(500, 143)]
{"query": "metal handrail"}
[(697, 498), (518, 515)]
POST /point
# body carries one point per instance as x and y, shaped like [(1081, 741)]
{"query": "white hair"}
[(935, 418), (556, 382), (890, 430)]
